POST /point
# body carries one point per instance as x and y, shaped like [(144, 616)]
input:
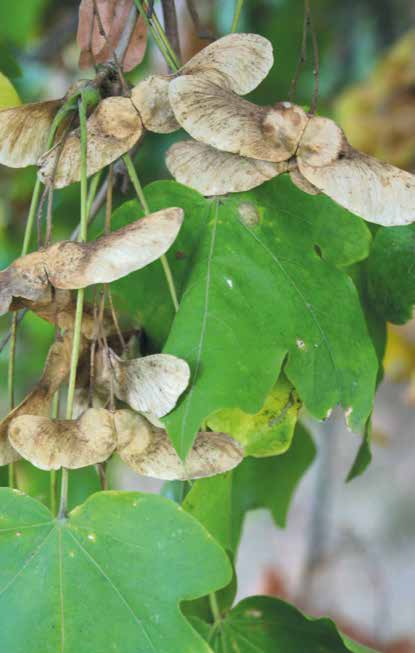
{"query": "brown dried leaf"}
[(243, 59), (152, 384), (212, 172), (321, 143), (376, 191), (38, 402), (114, 15), (151, 99), (52, 444), (113, 129), (219, 118), (149, 451), (24, 132), (73, 265)]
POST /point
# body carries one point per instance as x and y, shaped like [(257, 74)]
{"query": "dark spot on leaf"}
[(180, 255), (318, 251)]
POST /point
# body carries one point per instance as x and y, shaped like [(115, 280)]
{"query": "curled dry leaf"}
[(53, 443), (237, 62), (152, 384), (376, 191), (149, 451), (212, 172), (218, 117), (24, 132), (113, 128), (121, 33), (70, 265), (38, 402)]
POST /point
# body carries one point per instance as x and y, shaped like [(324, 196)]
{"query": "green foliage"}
[(19, 24), (392, 273), (93, 583), (268, 625), (267, 433), (221, 503), (257, 291)]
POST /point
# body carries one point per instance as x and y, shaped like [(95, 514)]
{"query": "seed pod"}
[(38, 401), (322, 142), (149, 451), (24, 132), (376, 191), (113, 128), (215, 116), (212, 172), (152, 384), (53, 443), (237, 62), (68, 265)]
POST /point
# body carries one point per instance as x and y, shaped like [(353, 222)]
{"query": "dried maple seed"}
[(69, 265), (238, 62), (152, 384), (24, 132), (113, 128), (212, 172), (38, 401), (53, 443), (148, 450)]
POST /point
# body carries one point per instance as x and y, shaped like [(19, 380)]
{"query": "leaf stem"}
[(237, 15), (159, 36), (76, 343), (214, 607), (163, 259)]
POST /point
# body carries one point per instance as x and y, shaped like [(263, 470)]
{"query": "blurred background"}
[(348, 549)]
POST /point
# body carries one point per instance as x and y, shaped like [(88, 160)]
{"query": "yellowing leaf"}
[(270, 431), (8, 94)]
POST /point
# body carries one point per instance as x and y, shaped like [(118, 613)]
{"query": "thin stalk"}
[(214, 608), (166, 42), (53, 473), (162, 44), (140, 194), (237, 15), (93, 187), (171, 26), (63, 507)]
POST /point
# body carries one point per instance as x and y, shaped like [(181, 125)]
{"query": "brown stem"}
[(114, 54), (201, 33), (316, 60), (171, 25), (303, 55)]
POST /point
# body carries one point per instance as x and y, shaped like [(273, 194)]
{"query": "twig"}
[(202, 34), (303, 56), (171, 26), (316, 61), (163, 259)]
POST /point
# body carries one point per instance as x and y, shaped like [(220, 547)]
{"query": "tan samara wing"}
[(52, 444), (24, 132), (212, 172), (218, 117), (25, 278), (113, 129), (152, 384), (244, 59), (39, 400), (78, 265), (149, 451), (376, 191), (151, 99)]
